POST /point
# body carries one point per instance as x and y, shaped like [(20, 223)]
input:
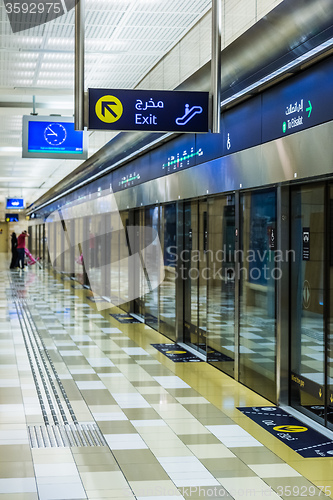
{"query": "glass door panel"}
[(195, 286), (168, 286), (307, 301), (124, 261), (152, 220), (257, 338), (139, 277), (221, 283)]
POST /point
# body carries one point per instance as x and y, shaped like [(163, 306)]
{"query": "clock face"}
[(55, 134)]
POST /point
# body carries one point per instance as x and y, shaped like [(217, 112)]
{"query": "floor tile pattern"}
[(173, 431)]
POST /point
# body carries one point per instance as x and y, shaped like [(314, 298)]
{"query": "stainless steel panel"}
[(157, 191)]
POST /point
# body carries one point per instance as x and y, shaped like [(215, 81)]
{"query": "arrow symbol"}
[(309, 109), (320, 393), (331, 398), (106, 107)]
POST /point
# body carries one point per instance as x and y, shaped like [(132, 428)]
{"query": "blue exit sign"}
[(149, 111)]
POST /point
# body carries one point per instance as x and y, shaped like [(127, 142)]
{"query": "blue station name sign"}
[(148, 110)]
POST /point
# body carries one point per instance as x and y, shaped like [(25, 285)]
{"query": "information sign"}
[(298, 103), (148, 110)]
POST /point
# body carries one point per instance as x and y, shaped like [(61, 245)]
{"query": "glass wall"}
[(221, 283), (139, 277), (257, 338), (152, 220), (167, 290), (193, 263)]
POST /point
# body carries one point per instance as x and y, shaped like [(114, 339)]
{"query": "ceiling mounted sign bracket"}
[(216, 67), (79, 97)]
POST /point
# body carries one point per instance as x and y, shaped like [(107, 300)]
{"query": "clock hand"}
[(52, 132)]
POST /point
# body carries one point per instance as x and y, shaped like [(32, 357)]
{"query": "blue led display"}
[(54, 137), (15, 203)]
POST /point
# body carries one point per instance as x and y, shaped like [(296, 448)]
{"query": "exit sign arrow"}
[(106, 106), (309, 109)]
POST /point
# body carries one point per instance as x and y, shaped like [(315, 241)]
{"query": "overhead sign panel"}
[(14, 203), (52, 137), (298, 103), (149, 111)]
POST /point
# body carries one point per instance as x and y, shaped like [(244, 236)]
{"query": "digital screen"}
[(16, 203), (52, 137), (148, 110), (12, 217)]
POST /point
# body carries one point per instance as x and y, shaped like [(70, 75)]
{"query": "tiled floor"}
[(172, 430)]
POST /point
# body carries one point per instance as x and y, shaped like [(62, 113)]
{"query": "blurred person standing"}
[(21, 248), (14, 262)]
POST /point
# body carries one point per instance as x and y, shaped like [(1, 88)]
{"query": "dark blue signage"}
[(241, 126), (299, 437), (176, 155), (148, 110), (12, 218), (15, 203), (301, 102), (131, 174)]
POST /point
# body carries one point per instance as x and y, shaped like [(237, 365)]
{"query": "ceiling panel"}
[(124, 39)]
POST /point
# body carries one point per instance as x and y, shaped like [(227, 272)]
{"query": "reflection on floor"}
[(172, 430)]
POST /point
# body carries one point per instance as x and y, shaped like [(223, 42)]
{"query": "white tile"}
[(54, 469), (58, 491), (245, 442), (125, 441), (80, 338), (135, 351), (94, 316), (130, 398), (84, 385), (171, 382), (170, 460), (148, 423), (105, 417), (82, 371), (227, 430), (274, 470), (240, 487), (111, 330), (74, 352), (18, 485), (182, 483), (100, 362), (9, 382)]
